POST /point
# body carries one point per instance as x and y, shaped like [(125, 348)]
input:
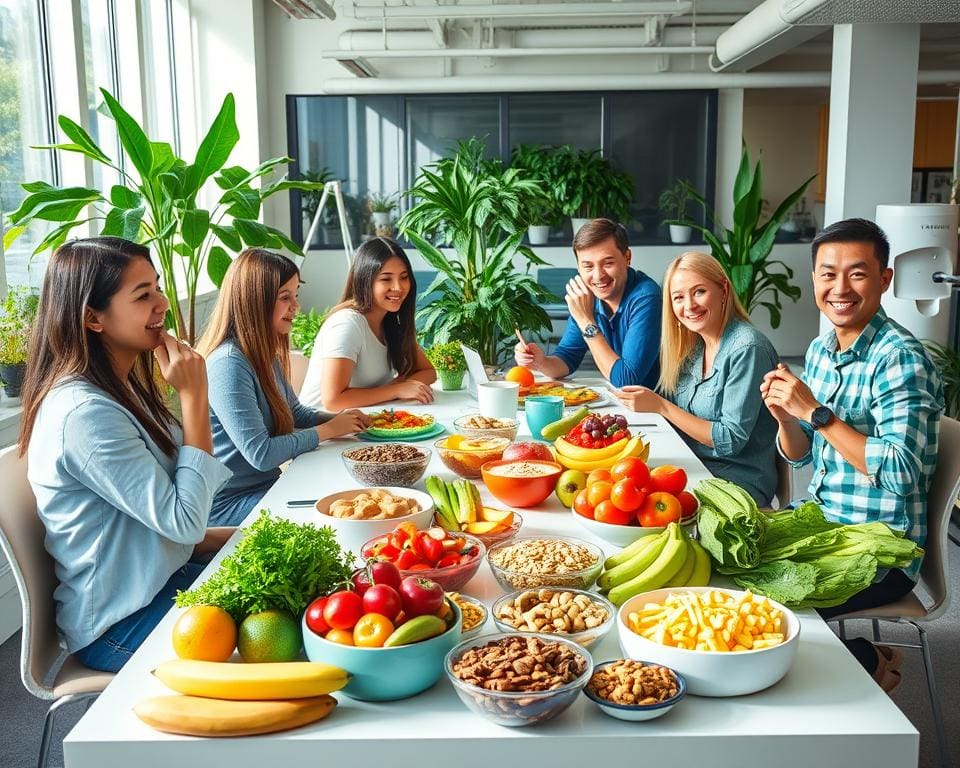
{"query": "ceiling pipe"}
[(500, 53), (522, 10)]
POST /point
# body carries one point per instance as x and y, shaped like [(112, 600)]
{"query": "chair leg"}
[(934, 697), (876, 630), (841, 629), (48, 722)]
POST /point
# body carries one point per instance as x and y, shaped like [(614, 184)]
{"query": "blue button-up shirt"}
[(885, 386), (633, 332)]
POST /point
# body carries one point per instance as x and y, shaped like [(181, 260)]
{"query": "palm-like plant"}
[(476, 208), (744, 251), (589, 186), (947, 361)]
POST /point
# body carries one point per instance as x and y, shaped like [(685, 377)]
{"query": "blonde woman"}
[(257, 421), (712, 362)]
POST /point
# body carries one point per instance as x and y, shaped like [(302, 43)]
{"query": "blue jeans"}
[(113, 648), (233, 509)]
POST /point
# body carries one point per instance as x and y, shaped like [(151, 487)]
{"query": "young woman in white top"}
[(366, 352)]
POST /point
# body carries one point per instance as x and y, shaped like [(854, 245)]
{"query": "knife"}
[(302, 503)]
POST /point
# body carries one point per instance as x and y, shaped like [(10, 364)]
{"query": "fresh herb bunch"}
[(304, 329), (447, 357), (277, 564), (17, 312)]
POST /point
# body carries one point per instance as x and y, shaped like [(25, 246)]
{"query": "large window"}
[(376, 145)]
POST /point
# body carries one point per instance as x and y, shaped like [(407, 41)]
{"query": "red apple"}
[(527, 452)]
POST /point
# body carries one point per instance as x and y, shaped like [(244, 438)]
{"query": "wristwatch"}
[(590, 331), (820, 417)]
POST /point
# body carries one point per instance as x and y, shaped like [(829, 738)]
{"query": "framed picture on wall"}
[(938, 185)]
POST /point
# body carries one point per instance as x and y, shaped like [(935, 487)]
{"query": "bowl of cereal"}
[(383, 464), (657, 626), (475, 425), (634, 690), (523, 483), (465, 455), (491, 675), (473, 614), (575, 614), (359, 515), (531, 562)]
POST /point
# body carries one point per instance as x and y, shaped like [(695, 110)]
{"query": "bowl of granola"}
[(476, 425)]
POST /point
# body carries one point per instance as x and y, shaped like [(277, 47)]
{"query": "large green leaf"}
[(244, 203), (123, 222), (431, 254), (253, 233), (58, 236), (284, 241), (82, 139), (36, 202), (215, 147), (163, 157), (194, 227), (231, 176), (124, 197), (11, 235), (217, 264), (228, 235), (134, 141)]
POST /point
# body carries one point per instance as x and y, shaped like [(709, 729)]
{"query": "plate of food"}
[(573, 397), (397, 424)]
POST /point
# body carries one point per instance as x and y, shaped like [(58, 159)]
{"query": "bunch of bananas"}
[(669, 559), (587, 459)]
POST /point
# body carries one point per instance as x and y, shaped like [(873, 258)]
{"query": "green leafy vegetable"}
[(730, 524), (277, 564)]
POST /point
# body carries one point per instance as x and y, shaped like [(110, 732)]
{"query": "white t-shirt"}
[(346, 334)]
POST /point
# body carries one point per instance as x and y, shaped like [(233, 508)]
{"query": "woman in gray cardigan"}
[(257, 421)]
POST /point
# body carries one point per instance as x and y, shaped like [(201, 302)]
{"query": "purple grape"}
[(596, 434)]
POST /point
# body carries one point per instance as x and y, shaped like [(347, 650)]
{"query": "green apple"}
[(569, 484)]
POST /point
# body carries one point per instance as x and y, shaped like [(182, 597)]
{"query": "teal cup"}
[(542, 410)]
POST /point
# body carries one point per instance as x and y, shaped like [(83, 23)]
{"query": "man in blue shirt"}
[(614, 312)]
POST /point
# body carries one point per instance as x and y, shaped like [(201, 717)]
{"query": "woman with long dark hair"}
[(123, 490), (257, 421), (367, 352)]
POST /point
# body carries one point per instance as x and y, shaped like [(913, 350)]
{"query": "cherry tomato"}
[(626, 495), (633, 468), (314, 617), (658, 510), (342, 636), (342, 610), (451, 558), (420, 596), (372, 630), (382, 599), (606, 512), (582, 505), (599, 491), (688, 503), (668, 479), (598, 476)]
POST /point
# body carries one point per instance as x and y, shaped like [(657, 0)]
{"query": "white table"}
[(826, 712)]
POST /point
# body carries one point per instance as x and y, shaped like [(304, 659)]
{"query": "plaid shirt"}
[(886, 387)]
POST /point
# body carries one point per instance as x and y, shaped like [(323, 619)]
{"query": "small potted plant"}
[(541, 208), (673, 205), (16, 318), (450, 363), (589, 186), (381, 210)]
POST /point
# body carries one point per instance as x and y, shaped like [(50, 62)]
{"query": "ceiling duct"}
[(307, 9), (777, 26)]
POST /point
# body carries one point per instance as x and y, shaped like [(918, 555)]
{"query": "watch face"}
[(590, 331), (820, 417)]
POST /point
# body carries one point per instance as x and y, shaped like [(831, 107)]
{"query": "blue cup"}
[(542, 410)]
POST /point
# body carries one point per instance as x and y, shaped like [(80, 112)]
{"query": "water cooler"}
[(923, 254)]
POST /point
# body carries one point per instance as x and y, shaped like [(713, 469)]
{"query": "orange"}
[(205, 632), (523, 376)]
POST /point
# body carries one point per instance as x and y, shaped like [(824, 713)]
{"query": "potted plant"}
[(947, 361), (381, 208), (744, 251), (474, 207), (16, 318), (448, 360), (304, 330), (539, 163), (673, 205), (589, 187), (156, 203)]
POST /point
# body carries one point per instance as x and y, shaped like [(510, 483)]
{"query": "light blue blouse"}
[(744, 433), (121, 516)]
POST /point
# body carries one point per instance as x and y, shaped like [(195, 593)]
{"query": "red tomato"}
[(633, 468), (342, 636), (582, 505), (342, 610), (626, 495), (420, 596), (606, 512), (382, 599), (658, 510), (598, 475), (599, 491), (451, 558), (372, 630), (314, 617), (688, 503), (668, 479)]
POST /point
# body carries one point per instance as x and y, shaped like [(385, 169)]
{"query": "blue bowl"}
[(386, 674)]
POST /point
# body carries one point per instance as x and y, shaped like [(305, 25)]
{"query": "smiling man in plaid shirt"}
[(867, 413)]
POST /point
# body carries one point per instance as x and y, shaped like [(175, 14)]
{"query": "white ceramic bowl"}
[(712, 673), (352, 534), (621, 535), (635, 712)]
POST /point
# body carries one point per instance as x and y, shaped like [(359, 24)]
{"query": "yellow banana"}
[(681, 577), (634, 447), (636, 564), (660, 571), (251, 682), (197, 716), (565, 448), (701, 569)]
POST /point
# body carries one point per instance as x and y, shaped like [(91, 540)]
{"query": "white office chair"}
[(21, 540)]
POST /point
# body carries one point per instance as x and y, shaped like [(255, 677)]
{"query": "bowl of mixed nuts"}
[(577, 615), (475, 425), (397, 464), (635, 690)]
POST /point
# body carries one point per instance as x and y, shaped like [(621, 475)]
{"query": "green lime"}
[(269, 636)]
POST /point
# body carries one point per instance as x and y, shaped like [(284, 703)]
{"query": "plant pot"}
[(680, 233), (577, 223), (12, 376), (451, 380), (538, 234)]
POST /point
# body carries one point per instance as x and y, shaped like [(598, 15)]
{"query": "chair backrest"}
[(555, 279), (944, 490), (21, 539), (298, 369), (784, 492)]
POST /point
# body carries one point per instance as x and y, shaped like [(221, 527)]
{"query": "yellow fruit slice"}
[(503, 516), (483, 526), (565, 448), (454, 441)]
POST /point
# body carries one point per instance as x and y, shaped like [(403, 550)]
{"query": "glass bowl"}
[(509, 430), (513, 579), (492, 538), (585, 637), (403, 474), (478, 627), (453, 577), (467, 462), (516, 708), (636, 712)]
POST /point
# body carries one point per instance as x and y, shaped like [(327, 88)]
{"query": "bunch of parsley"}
[(277, 564)]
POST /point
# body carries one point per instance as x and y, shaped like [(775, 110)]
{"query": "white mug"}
[(498, 399)]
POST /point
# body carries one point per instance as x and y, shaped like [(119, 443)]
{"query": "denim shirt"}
[(744, 433), (633, 332), (121, 516)]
